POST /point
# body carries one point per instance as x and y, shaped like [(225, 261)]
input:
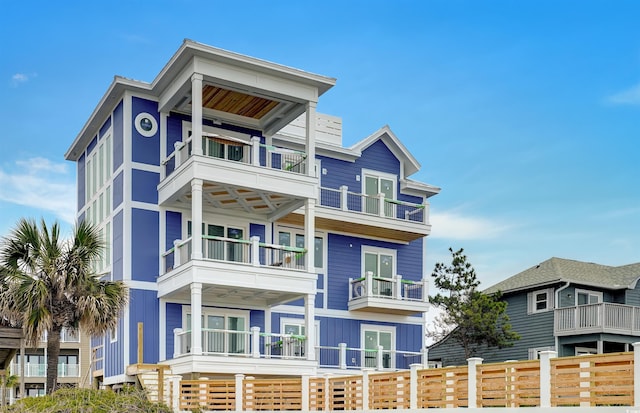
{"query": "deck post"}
[(381, 204), (343, 197), (379, 358), (398, 289), (545, 377), (425, 357), (140, 343), (196, 119), (255, 342), (176, 391), (239, 392), (255, 251), (255, 150), (342, 356), (177, 345), (176, 253), (365, 389), (636, 374), (472, 378), (413, 385), (305, 392), (327, 392)]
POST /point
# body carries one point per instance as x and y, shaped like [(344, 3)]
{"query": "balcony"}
[(597, 318), (249, 177), (388, 295), (40, 370), (368, 215), (237, 270)]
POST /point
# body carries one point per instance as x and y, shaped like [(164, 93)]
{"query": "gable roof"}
[(559, 270)]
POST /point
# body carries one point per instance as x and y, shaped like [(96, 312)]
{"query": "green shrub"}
[(129, 400)]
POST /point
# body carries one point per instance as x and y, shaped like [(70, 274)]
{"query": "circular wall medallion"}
[(146, 124)]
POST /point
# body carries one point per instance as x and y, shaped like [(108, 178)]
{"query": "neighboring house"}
[(74, 364), (251, 240), (568, 306)]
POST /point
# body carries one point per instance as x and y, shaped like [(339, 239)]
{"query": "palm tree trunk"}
[(53, 351)]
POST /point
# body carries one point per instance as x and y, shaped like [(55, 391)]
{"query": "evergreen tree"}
[(468, 316)]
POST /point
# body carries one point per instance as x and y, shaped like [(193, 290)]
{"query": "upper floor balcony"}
[(236, 270), (393, 295), (40, 370), (236, 174), (608, 318)]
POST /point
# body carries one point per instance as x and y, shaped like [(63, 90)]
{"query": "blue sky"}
[(525, 113)]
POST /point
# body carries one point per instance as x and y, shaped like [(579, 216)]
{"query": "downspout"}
[(556, 305)]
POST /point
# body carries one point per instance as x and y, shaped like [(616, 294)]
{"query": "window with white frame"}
[(540, 300), (222, 331), (294, 237), (380, 264), (230, 249), (98, 197), (584, 297), (296, 328), (375, 183), (372, 338)]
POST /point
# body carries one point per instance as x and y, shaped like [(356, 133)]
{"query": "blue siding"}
[(114, 352), (118, 136), (256, 319), (173, 320), (173, 227), (118, 247), (174, 130), (105, 126), (118, 190), (145, 238), (81, 182), (143, 307), (144, 186), (144, 150), (92, 145)]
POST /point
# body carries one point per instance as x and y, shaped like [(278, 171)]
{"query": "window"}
[(222, 332), (285, 237), (372, 338), (296, 327), (380, 263), (534, 353), (221, 249), (541, 300), (375, 183), (584, 297)]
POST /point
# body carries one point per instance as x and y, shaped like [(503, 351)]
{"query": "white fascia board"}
[(179, 87), (416, 188), (410, 164), (324, 149)]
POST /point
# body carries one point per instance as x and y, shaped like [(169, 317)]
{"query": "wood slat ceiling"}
[(236, 103)]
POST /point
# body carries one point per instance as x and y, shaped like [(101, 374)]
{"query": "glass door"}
[(373, 339), (381, 266), (373, 186)]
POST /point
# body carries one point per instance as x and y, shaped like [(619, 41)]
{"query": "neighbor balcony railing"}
[(377, 205), (235, 150), (394, 288), (251, 252), (601, 317), (40, 370), (254, 344)]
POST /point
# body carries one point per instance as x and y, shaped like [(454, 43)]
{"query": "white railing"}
[(69, 336), (395, 288), (345, 358), (250, 252), (601, 317), (235, 150), (373, 205), (251, 343), (40, 370)]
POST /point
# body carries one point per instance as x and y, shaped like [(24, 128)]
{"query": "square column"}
[(310, 233), (196, 114), (196, 219), (310, 325), (311, 138), (196, 318)]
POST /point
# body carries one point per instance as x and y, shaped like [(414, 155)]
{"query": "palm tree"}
[(7, 381), (47, 284)]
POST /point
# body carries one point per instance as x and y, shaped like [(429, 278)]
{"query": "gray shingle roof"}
[(559, 270)]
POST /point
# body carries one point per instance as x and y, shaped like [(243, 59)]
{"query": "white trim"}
[(142, 285), (146, 167), (532, 303), (216, 311), (120, 378), (581, 351), (380, 175), (353, 315), (378, 329), (126, 216), (598, 294), (378, 250), (162, 329), (301, 322), (186, 127), (154, 124)]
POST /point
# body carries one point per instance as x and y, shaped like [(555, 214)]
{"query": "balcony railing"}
[(373, 205), (254, 344), (594, 318), (250, 252), (235, 150), (395, 288), (40, 370)]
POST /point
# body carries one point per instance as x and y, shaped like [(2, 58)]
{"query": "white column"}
[(365, 389), (545, 378), (255, 342), (196, 318), (177, 343), (310, 233), (255, 151), (471, 384), (176, 393), (413, 386), (196, 114), (342, 356), (255, 251), (344, 197), (196, 219), (311, 138), (305, 392), (309, 319), (239, 392)]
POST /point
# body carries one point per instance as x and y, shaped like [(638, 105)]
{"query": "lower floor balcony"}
[(609, 318), (391, 295), (40, 370)]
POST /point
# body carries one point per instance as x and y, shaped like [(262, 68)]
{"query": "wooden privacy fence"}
[(582, 381)]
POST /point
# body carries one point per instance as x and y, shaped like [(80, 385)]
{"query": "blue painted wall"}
[(92, 145), (173, 320), (173, 225), (144, 150), (114, 352), (118, 136), (144, 186), (144, 308), (105, 126), (118, 190), (118, 247), (145, 238), (81, 181)]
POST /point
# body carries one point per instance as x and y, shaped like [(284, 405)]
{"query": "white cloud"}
[(451, 225), (19, 78), (40, 183), (630, 96)]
